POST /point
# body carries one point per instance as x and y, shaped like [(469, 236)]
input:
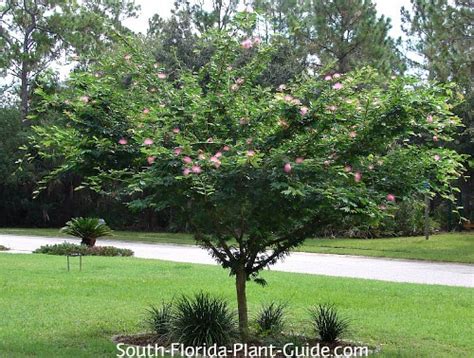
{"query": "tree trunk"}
[(240, 284), (88, 242), (24, 93)]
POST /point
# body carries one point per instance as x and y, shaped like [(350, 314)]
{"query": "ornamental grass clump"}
[(270, 320), (328, 323), (203, 320)]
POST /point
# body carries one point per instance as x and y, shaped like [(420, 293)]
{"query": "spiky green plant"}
[(159, 319), (328, 323), (87, 229), (203, 319), (270, 319)]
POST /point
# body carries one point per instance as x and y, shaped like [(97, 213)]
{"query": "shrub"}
[(202, 319), (270, 319), (87, 229), (4, 248), (159, 319), (66, 248), (328, 323)]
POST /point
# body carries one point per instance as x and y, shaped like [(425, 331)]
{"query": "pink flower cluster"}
[(250, 42)]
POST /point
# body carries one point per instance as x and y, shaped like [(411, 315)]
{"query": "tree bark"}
[(24, 92), (240, 284)]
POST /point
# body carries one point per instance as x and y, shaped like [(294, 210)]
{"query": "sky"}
[(388, 8)]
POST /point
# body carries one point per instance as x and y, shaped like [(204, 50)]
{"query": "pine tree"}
[(350, 34)]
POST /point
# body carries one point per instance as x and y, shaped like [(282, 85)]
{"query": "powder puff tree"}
[(250, 202)]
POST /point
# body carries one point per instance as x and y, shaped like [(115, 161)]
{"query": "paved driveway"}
[(317, 264)]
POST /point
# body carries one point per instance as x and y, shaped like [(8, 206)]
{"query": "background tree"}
[(350, 34), (254, 170), (33, 34), (441, 32)]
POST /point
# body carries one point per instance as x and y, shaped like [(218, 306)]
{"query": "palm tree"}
[(88, 229)]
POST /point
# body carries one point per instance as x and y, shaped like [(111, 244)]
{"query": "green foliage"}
[(159, 319), (270, 320), (328, 323), (87, 229), (351, 35), (67, 249), (252, 170), (203, 320)]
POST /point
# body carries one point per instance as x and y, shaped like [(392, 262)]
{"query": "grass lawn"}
[(452, 247), (48, 312)]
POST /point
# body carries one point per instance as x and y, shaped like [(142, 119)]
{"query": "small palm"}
[(88, 229)]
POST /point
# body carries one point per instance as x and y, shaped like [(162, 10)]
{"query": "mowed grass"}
[(451, 247), (49, 312)]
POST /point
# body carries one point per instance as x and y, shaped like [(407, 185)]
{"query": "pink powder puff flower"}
[(84, 99), (239, 81), (281, 87), (146, 111), (218, 154), (246, 44), (327, 162), (127, 57), (382, 207), (299, 160), (390, 197), (353, 134), (328, 78), (435, 138), (347, 168), (436, 157), (186, 171), (122, 141), (187, 160), (176, 130), (304, 110), (196, 169), (429, 119), (148, 141), (177, 150), (215, 161), (357, 177), (250, 153), (226, 148), (336, 75), (295, 101), (151, 160), (288, 98), (257, 40), (337, 86), (332, 108), (287, 168), (162, 76)]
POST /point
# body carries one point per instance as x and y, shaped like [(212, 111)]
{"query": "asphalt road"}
[(395, 270)]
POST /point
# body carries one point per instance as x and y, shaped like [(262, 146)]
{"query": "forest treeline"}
[(312, 36)]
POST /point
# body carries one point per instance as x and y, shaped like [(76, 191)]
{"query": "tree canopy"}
[(252, 169)]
